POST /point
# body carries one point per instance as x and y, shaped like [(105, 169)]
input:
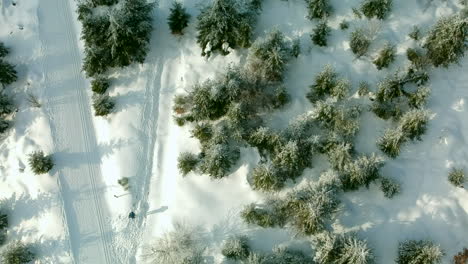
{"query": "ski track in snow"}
[(76, 151)]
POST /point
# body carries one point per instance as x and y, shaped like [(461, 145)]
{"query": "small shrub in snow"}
[(3, 50), (222, 25), (376, 8), (267, 178), (389, 187), (17, 253), (320, 34), (175, 247), (419, 252), (318, 9), (391, 141), (446, 42), (7, 73), (457, 177), (187, 162), (359, 42), (414, 123), (415, 33), (40, 163), (124, 183), (178, 19), (386, 57), (100, 85), (344, 25), (361, 172), (103, 105), (236, 248), (331, 248), (218, 160), (268, 56)]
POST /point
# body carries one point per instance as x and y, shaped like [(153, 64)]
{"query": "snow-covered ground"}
[(71, 213)]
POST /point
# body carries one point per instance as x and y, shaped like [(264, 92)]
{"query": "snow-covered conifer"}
[(418, 99), (3, 50), (178, 18), (362, 171), (267, 215), (40, 163), (415, 33), (359, 42), (17, 253), (385, 57), (318, 9), (323, 85), (236, 247), (320, 34), (340, 155), (414, 123), (4, 125), (187, 162), (345, 249), (267, 178), (391, 141), (218, 160), (6, 105), (100, 84), (376, 8), (7, 73), (292, 158), (102, 104), (389, 187), (446, 42), (457, 177), (419, 252)]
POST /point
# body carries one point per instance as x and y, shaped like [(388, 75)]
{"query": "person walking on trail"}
[(131, 215)]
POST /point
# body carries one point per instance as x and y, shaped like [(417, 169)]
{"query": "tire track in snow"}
[(74, 139)]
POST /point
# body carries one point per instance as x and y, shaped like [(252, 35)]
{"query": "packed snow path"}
[(76, 150)]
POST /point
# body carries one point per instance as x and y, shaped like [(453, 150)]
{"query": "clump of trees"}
[(18, 253), (115, 38), (333, 248), (446, 42), (224, 25), (178, 18), (419, 251), (376, 8), (40, 163)]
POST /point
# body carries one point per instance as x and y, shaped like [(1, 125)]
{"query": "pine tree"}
[(318, 9), (40, 163), (187, 162), (376, 8), (236, 248), (359, 42), (3, 50), (386, 57), (17, 253), (446, 42), (457, 177), (355, 251), (391, 141), (419, 252), (6, 105), (389, 187), (340, 155), (223, 25), (102, 104), (414, 123), (283, 255), (178, 19), (418, 99), (265, 216), (7, 73), (324, 83), (362, 172), (343, 249), (4, 125), (320, 34), (218, 160), (100, 85), (267, 178)]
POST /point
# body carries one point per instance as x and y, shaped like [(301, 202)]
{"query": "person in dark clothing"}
[(131, 215)]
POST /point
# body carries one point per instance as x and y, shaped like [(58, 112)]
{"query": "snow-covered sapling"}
[(103, 2), (446, 42), (419, 252), (344, 25), (103, 105), (391, 141), (385, 57), (222, 26), (267, 178), (187, 162), (17, 253), (266, 216), (178, 18), (361, 172), (340, 155), (3, 50), (3, 220), (389, 187), (457, 177), (355, 251), (318, 9), (415, 33), (100, 85), (376, 8), (40, 163), (414, 123), (359, 42), (346, 249), (363, 89), (4, 125), (324, 83), (418, 59), (7, 73), (218, 160), (236, 248), (320, 34), (418, 99), (296, 47), (282, 255)]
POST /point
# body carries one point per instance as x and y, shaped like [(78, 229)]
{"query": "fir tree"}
[(344, 249), (102, 104), (100, 85), (415, 33), (4, 125), (362, 172), (376, 8), (344, 25), (178, 19), (3, 50), (419, 252), (218, 160), (418, 99), (359, 42), (318, 9), (236, 248), (389, 187), (446, 42), (413, 123), (7, 73), (457, 177), (267, 178), (320, 34), (265, 216), (339, 156), (223, 25), (6, 105), (391, 141), (324, 83), (292, 158), (40, 163), (283, 255), (386, 57), (187, 162), (355, 251), (17, 253)]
